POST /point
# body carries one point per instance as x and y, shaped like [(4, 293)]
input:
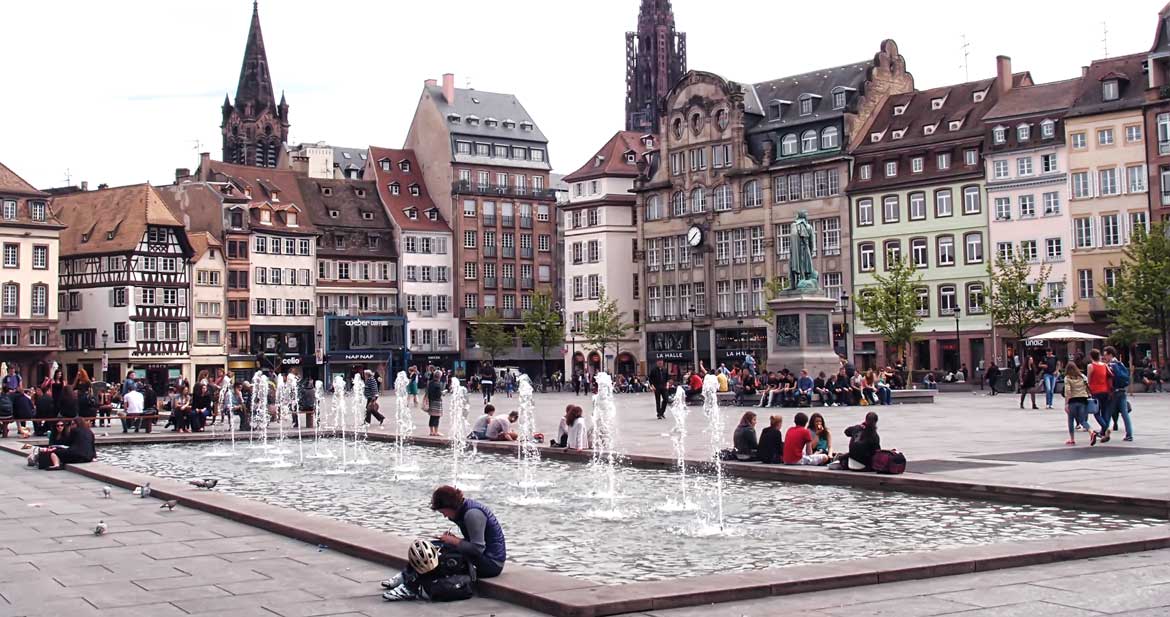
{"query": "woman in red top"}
[(1100, 387)]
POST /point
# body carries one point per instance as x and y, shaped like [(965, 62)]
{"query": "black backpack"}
[(453, 580)]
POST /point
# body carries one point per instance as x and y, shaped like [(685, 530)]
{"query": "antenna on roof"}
[(68, 176), (965, 47), (1105, 37), (467, 82), (197, 146)]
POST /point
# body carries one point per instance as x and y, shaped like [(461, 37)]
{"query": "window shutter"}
[(112, 297), (182, 297), (184, 331), (139, 328), (138, 296)]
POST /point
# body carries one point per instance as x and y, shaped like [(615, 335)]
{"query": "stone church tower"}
[(255, 128), (656, 58)]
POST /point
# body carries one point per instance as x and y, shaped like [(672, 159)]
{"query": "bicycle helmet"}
[(423, 556)]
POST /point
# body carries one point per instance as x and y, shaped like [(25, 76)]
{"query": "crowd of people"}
[(808, 442)]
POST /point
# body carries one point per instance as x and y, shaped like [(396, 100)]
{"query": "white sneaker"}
[(399, 593), (393, 581)]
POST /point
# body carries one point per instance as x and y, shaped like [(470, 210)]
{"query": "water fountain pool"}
[(774, 524)]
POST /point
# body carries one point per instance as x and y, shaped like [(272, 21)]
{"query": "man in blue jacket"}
[(1119, 399)]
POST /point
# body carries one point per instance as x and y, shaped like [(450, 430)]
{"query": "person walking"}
[(1118, 398), (434, 401), (992, 378), (1048, 366), (412, 386), (487, 381), (658, 379), (1076, 401), (1100, 388), (371, 394), (1028, 382)]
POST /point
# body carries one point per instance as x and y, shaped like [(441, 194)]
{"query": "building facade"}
[(1105, 130), (255, 127), (485, 163), (1157, 120), (918, 194), (357, 278), (600, 234), (734, 165), (427, 274), (1026, 171), (30, 239), (656, 58), (124, 297), (208, 352)]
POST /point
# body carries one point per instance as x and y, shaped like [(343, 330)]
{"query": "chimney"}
[(449, 88), (85, 185), (1084, 71), (103, 186), (204, 166), (430, 83), (1003, 73), (181, 174)]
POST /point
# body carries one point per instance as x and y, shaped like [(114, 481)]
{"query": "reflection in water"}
[(771, 524)]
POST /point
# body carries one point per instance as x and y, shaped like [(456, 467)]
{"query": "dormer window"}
[(491, 122), (384, 164), (327, 191), (433, 215), (367, 216), (977, 97), (875, 137), (839, 99), (509, 124), (631, 158), (414, 192), (404, 165), (290, 219), (360, 192), (266, 217), (899, 110), (898, 134), (999, 135), (955, 125), (472, 120), (1110, 90), (929, 129), (454, 118), (109, 235), (412, 214), (937, 102), (526, 126), (1023, 132), (334, 214), (1048, 129), (648, 141), (806, 105), (775, 110), (371, 241), (394, 188)]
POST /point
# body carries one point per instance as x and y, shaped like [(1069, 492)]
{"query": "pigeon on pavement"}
[(101, 528), (169, 504), (106, 490), (207, 483)]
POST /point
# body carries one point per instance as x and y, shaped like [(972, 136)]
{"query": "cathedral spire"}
[(255, 127), (656, 58), (255, 84)]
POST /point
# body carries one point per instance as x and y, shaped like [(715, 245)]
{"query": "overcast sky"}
[(126, 91)]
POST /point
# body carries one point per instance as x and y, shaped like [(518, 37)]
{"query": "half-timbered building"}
[(124, 284)]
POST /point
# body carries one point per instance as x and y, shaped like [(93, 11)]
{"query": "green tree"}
[(1140, 298), (491, 336), (606, 325), (542, 330), (774, 288), (1017, 300), (890, 306)]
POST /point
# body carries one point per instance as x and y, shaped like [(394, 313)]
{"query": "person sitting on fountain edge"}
[(500, 429), (480, 428), (482, 543)]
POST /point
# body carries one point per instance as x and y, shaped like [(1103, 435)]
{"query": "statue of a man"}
[(801, 272)]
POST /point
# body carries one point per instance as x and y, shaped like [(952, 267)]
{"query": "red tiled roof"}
[(610, 160), (1054, 96), (12, 183), (397, 205), (110, 220), (276, 189)]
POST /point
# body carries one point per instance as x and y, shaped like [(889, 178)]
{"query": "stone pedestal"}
[(803, 335)]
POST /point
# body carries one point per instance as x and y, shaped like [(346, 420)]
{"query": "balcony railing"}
[(489, 251), (507, 220), (508, 251), (510, 313), (489, 220), (489, 282), (527, 283), (526, 222), (469, 312), (428, 347), (1164, 147), (526, 252), (508, 283), (468, 188)]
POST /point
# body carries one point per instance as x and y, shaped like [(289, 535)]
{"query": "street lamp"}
[(958, 346), (848, 329), (694, 342), (105, 356)]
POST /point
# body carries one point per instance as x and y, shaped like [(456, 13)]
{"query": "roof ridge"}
[(812, 72)]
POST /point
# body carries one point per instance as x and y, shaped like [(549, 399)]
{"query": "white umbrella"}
[(1065, 334)]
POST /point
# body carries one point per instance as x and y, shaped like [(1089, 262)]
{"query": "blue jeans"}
[(1119, 404), (1078, 413), (1102, 414), (885, 395), (1049, 388)]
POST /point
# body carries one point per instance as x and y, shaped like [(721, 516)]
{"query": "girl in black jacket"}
[(864, 442)]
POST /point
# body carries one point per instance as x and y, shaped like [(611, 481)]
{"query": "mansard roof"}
[(821, 85), (1130, 72), (485, 105)]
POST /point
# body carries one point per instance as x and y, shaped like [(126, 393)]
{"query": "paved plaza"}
[(157, 563)]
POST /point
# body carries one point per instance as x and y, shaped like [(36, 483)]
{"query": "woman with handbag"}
[(1076, 401)]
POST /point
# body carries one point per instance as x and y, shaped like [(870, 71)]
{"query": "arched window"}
[(752, 196), (808, 141), (698, 200), (653, 208), (678, 203), (829, 138), (723, 199), (788, 145)]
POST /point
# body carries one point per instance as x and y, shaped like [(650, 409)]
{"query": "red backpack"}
[(889, 462)]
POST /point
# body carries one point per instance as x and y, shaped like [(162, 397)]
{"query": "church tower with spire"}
[(255, 128), (656, 58)]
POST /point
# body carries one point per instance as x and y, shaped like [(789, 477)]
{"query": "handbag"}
[(372, 406), (1092, 406)]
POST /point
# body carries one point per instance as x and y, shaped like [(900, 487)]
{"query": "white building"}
[(600, 236), (207, 300), (124, 284), (425, 257)]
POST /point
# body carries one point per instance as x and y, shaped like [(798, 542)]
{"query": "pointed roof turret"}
[(255, 84)]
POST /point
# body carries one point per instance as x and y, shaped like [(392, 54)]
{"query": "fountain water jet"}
[(713, 521), (527, 448), (606, 457), (223, 404), (404, 468), (337, 413), (459, 432), (260, 417), (357, 406), (319, 416), (678, 441)]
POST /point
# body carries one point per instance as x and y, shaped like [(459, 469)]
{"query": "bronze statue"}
[(802, 275)]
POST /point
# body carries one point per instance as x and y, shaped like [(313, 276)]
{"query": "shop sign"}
[(291, 360), (361, 323)]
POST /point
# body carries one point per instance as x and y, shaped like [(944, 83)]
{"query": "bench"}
[(728, 399), (910, 397)]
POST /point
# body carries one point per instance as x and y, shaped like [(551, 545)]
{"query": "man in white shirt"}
[(133, 403), (500, 429)]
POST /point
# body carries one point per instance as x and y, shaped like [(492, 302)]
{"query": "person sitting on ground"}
[(573, 432), (820, 431), (864, 442), (804, 389), (482, 544), (771, 444), (798, 444), (480, 428), (744, 438), (500, 429), (78, 447)]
